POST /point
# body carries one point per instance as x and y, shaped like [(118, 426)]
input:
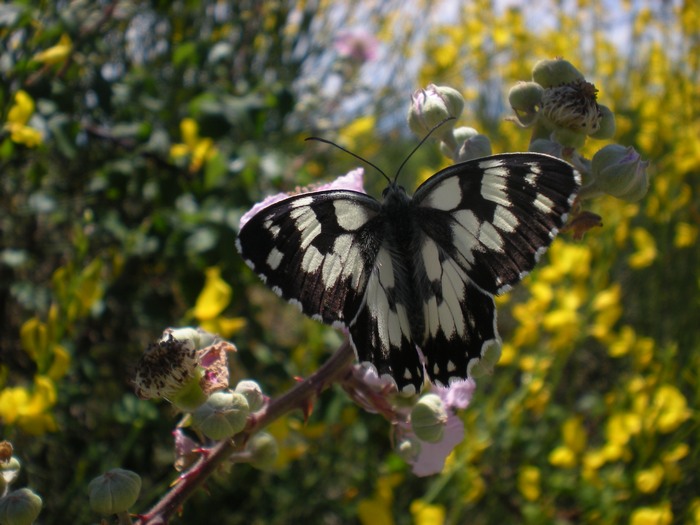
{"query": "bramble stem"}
[(331, 371)]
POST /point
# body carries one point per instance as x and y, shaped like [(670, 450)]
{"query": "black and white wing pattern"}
[(413, 279)]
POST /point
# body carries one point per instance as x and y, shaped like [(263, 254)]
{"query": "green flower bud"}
[(607, 124), (549, 147), (428, 418), (484, 366), (408, 448), (263, 450), (474, 148), (431, 106), (224, 415), (571, 106), (620, 172), (569, 137), (9, 470), (253, 394), (114, 491), (20, 507), (550, 73), (526, 98)]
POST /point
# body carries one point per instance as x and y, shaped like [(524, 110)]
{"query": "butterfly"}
[(413, 279)]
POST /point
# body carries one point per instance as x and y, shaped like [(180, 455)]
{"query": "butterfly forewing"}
[(503, 212)]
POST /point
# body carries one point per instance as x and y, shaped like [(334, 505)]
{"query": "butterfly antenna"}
[(341, 148), (419, 145)]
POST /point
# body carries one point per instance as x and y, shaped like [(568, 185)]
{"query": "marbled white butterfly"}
[(413, 278)]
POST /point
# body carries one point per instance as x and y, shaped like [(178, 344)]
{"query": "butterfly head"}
[(394, 194)]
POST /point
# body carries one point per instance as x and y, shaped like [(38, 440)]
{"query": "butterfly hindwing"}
[(381, 332), (459, 317)]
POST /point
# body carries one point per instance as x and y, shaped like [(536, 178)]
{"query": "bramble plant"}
[(187, 366), (136, 140)]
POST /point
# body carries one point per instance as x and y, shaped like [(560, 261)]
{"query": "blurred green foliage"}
[(135, 134)]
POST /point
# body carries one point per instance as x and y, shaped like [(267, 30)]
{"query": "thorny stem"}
[(332, 370)]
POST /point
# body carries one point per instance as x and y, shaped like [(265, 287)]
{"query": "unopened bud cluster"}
[(562, 108), (17, 507), (433, 106)]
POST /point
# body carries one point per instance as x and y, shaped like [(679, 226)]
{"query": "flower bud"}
[(263, 450), (474, 145), (431, 106), (620, 172), (408, 448), (223, 415), (525, 98), (114, 491), (550, 73), (549, 147), (20, 507), (428, 418), (607, 124), (253, 394)]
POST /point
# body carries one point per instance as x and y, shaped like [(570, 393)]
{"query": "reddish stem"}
[(332, 370)]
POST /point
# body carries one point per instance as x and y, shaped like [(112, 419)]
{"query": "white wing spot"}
[(274, 258), (504, 220), (544, 203), (296, 303), (303, 201), (431, 259), (446, 196), (312, 260), (451, 367), (407, 374), (490, 238), (350, 217), (272, 228), (493, 185)]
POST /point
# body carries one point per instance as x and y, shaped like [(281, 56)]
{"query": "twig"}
[(331, 371)]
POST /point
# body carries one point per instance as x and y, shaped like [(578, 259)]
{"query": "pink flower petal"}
[(432, 456)]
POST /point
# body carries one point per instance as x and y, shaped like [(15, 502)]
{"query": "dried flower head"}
[(572, 106)]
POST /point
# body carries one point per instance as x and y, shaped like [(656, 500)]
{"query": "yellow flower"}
[(29, 408), (621, 427), (374, 511), (529, 482), (57, 53), (649, 480), (212, 300), (646, 249), (669, 409), (214, 297), (563, 457), (660, 515), (17, 118), (198, 149), (574, 435), (686, 234), (426, 514)]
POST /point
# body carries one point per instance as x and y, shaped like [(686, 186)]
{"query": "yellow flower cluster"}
[(17, 119)]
